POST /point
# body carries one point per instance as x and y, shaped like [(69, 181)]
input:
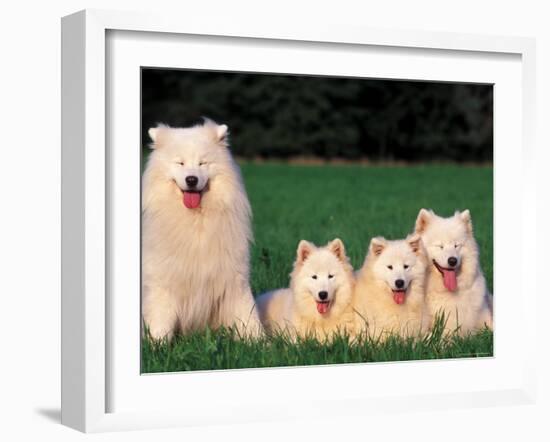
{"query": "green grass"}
[(224, 349), (354, 203)]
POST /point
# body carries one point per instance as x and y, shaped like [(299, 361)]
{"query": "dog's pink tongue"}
[(399, 297), (449, 279), (322, 307), (191, 200)]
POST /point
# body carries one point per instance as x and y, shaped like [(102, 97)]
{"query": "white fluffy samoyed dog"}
[(389, 293), (195, 234), (319, 300), (456, 285)]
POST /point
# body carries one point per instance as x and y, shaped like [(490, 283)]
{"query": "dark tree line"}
[(284, 116)]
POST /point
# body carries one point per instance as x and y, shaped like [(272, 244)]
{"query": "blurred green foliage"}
[(281, 116)]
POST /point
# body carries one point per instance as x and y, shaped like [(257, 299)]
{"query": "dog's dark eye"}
[(202, 163), (390, 267), (406, 266), (181, 163), (314, 276), (330, 276)]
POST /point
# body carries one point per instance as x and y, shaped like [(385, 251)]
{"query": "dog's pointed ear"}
[(466, 218), (377, 245), (304, 250), (153, 133), (415, 242), (221, 131), (422, 220), (157, 134), (337, 247)]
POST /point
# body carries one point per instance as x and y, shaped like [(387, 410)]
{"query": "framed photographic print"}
[(267, 220)]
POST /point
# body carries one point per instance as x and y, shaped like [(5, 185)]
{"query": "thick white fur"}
[(195, 262), (469, 308), (294, 310), (377, 312)]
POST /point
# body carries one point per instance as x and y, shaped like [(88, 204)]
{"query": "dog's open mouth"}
[(191, 199), (323, 307), (399, 296), (449, 277)]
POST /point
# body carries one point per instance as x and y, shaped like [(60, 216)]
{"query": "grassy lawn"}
[(354, 203)]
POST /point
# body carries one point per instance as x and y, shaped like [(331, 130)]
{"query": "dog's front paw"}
[(159, 333)]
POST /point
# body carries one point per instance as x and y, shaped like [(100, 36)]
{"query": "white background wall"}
[(30, 219)]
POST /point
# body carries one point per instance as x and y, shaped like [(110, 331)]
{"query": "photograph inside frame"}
[(295, 220)]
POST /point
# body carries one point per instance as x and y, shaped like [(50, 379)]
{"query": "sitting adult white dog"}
[(196, 235)]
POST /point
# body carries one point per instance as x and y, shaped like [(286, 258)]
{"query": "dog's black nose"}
[(452, 261), (323, 295), (399, 283), (191, 180)]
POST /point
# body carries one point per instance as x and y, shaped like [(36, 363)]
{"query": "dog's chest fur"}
[(463, 306)]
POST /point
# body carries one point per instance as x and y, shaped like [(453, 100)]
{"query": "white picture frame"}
[(87, 203)]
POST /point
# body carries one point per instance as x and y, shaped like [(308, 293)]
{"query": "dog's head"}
[(190, 157), (448, 242), (397, 263), (321, 276)]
